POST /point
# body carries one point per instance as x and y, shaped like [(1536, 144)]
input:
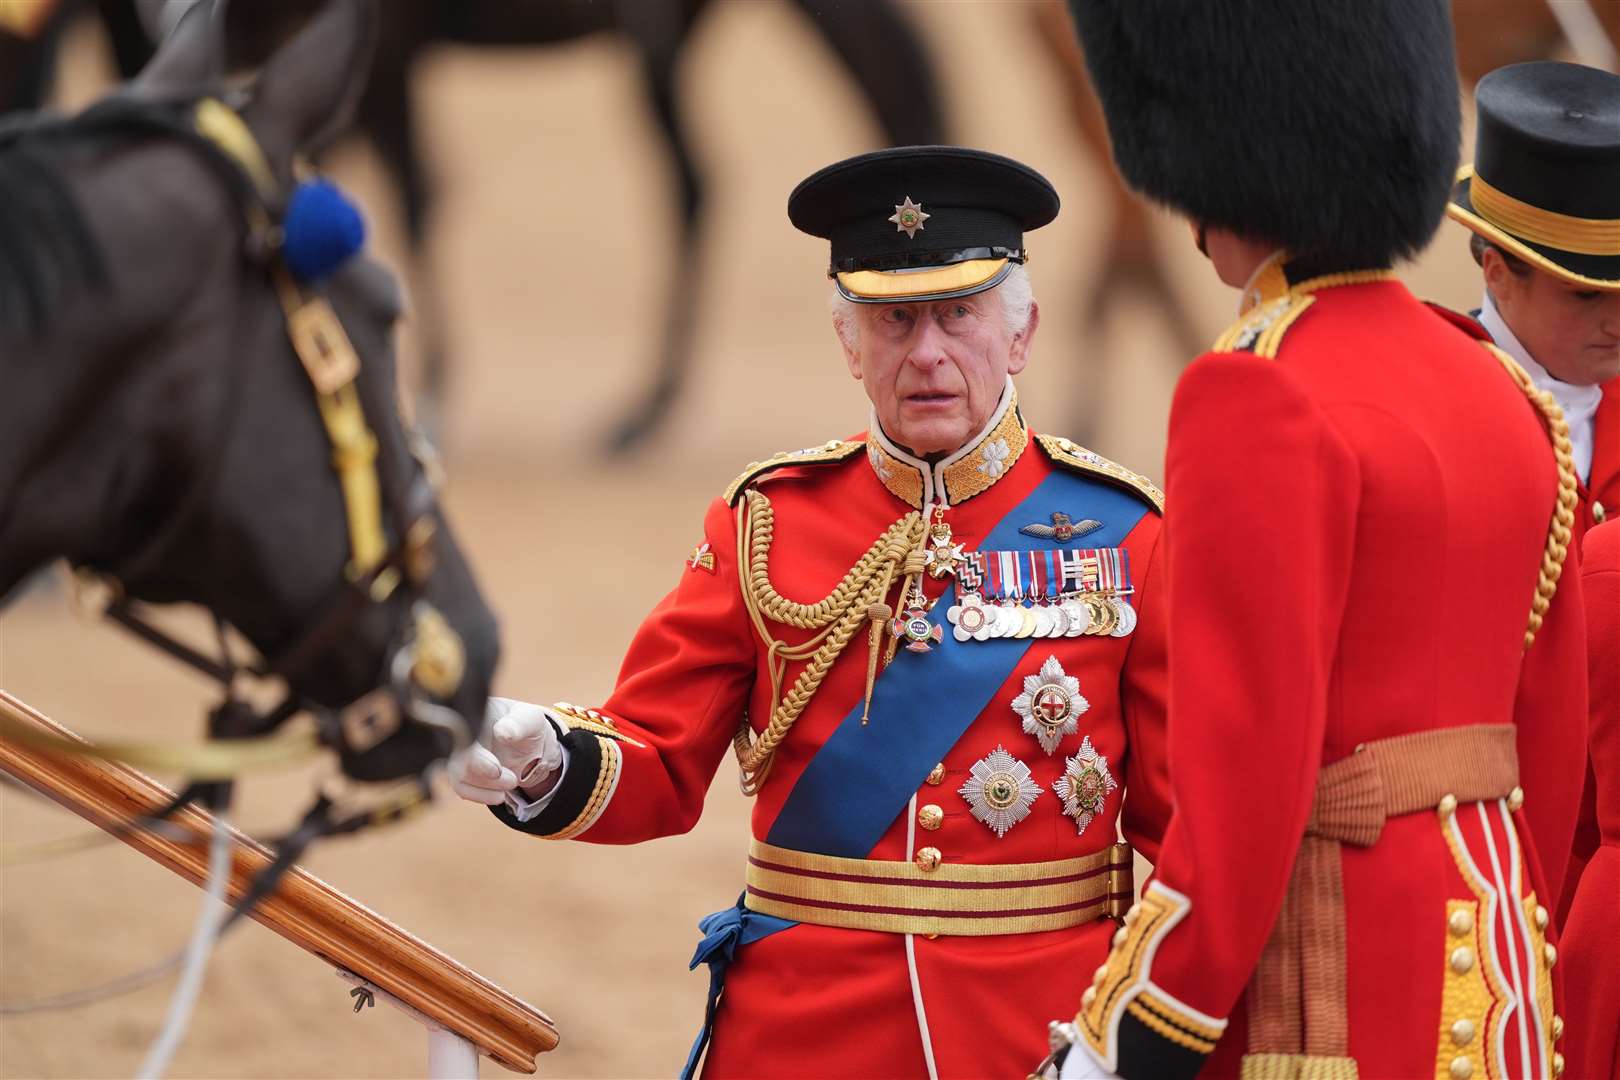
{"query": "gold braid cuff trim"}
[(1123, 984), (1297, 1067), (836, 450), (1076, 458), (590, 720), (1561, 530), (607, 781), (860, 598)]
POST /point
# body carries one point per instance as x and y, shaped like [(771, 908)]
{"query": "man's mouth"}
[(930, 398)]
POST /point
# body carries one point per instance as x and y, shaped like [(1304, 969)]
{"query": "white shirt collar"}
[(1579, 403)]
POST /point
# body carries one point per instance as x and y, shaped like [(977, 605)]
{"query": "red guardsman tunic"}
[(1362, 501), (887, 930), (1592, 930)]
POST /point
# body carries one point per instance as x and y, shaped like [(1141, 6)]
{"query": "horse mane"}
[(48, 253)]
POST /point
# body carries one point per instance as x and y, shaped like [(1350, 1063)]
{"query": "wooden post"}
[(304, 909)]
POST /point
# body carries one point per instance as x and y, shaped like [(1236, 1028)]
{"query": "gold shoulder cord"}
[(859, 597), (1560, 531)]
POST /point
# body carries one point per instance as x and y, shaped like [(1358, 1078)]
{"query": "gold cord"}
[(860, 597), (1561, 530)]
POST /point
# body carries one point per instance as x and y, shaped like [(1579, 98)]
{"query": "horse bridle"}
[(427, 660)]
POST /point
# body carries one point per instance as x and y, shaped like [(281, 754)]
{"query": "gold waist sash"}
[(962, 900)]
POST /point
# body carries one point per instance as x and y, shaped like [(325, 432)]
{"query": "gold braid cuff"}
[(859, 597), (1561, 530)]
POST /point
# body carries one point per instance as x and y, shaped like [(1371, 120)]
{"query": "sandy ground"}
[(552, 251)]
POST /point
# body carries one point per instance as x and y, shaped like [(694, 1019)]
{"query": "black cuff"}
[(571, 796)]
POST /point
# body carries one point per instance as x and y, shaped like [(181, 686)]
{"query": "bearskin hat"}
[(1329, 127)]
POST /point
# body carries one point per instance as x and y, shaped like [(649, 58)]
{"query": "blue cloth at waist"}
[(723, 933)]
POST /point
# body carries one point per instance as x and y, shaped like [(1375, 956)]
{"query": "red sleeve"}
[(1259, 534), (640, 766), (1144, 696)]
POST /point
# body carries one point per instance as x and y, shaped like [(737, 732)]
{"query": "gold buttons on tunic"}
[(1541, 917), (1447, 807), (1461, 923), (936, 775), (1120, 935), (1558, 1064), (1598, 512), (928, 859), (1088, 997), (1130, 914), (931, 817), (1462, 1032), (1550, 953), (1099, 975), (1557, 1028), (1516, 798), (1462, 960), (1461, 1068)]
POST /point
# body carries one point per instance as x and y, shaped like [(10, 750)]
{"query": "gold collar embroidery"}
[(967, 472), (1270, 281)]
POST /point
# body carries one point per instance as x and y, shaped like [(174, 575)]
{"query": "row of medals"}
[(1072, 615), (1099, 614)]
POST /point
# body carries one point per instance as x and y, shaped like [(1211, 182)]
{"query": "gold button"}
[(928, 859), (1461, 1068), (936, 775), (1516, 799), (1099, 975), (1088, 997), (931, 937), (1130, 914), (1598, 512), (1550, 953), (1558, 1064), (1462, 1032), (1558, 1028), (1462, 959), (1120, 935), (1541, 917), (930, 817), (1461, 923), (1447, 807)]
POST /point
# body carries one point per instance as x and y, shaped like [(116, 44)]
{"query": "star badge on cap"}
[(908, 217)]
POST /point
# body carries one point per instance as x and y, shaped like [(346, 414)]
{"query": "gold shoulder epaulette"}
[(836, 450), (1076, 458), (1261, 331)]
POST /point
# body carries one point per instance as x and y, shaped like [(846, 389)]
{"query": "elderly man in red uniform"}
[(1368, 621), (937, 650)]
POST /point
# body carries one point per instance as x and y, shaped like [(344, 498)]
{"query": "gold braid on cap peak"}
[(860, 597), (1561, 530)]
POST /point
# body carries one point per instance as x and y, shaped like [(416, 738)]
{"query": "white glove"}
[(1080, 1065), (520, 747)]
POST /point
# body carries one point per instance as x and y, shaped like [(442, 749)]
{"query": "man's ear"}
[(852, 357), (1018, 354)]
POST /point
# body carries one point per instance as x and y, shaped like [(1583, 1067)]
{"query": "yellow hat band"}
[(876, 285), (1583, 236)]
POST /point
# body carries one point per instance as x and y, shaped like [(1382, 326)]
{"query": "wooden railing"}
[(304, 909)]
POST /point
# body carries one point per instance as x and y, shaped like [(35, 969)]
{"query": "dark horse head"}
[(184, 416)]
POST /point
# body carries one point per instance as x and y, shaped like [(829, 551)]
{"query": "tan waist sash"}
[(957, 899), (1297, 1003)]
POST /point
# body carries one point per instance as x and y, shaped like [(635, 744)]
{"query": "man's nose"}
[(927, 344)]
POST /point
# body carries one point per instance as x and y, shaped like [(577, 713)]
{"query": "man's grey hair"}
[(1017, 298)]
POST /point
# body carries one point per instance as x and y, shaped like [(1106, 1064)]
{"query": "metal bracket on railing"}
[(450, 1057)]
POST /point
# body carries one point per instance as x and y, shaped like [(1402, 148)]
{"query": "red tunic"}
[(1592, 931), (819, 1000), (1362, 496)]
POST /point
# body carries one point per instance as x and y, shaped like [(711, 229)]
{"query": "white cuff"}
[(525, 809)]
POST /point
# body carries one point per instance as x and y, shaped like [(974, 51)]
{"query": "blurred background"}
[(550, 260)]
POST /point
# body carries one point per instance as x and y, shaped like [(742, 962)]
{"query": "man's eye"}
[(895, 315), (1588, 294), (959, 311)]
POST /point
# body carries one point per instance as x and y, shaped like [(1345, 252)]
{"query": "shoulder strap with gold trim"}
[(836, 450), (1076, 458), (1261, 330)]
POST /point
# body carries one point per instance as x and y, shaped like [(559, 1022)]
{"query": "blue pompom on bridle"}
[(322, 230)]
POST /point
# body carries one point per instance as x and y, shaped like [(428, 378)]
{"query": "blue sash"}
[(863, 777)]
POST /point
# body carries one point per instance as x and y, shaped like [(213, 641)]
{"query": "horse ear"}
[(186, 57), (307, 89)]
